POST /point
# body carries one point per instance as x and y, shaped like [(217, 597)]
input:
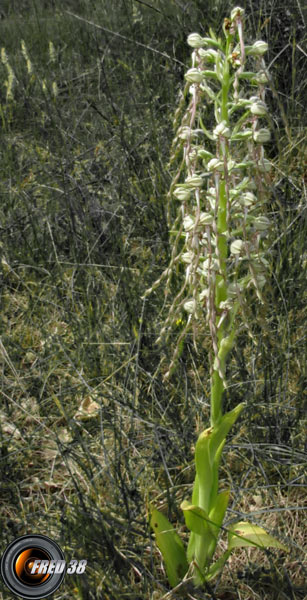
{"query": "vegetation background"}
[(89, 432)]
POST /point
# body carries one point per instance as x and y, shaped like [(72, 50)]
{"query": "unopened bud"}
[(221, 130), (247, 199), (182, 194), (215, 165), (188, 223), (194, 181), (262, 136), (260, 78), (206, 218), (231, 164), (195, 40), (261, 280), (257, 49), (236, 12), (190, 306), (187, 257), (194, 76), (236, 247), (261, 223), (259, 108)]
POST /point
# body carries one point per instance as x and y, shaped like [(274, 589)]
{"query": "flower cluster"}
[(221, 183)]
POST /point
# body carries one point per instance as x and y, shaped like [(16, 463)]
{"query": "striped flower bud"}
[(261, 223), (194, 76), (215, 165), (195, 40), (188, 223), (260, 78), (182, 194), (206, 218), (261, 280), (257, 49), (221, 130), (194, 181), (237, 247), (258, 108), (247, 199), (262, 136)]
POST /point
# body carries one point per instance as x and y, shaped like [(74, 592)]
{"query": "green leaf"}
[(221, 430), (215, 475), (217, 513), (246, 534), (196, 518), (171, 547), (204, 469)]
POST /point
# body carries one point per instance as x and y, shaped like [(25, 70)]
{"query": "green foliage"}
[(171, 546)]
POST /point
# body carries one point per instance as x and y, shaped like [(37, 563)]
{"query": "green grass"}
[(83, 234)]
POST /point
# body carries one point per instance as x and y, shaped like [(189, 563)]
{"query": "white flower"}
[(262, 136), (261, 78), (206, 218), (261, 223), (247, 199), (258, 48), (188, 223), (236, 247), (194, 76), (215, 165), (190, 306), (182, 194), (212, 264), (204, 294), (237, 12), (221, 130), (195, 40), (194, 181), (259, 108), (187, 257)]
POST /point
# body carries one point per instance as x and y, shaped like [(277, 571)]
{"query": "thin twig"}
[(123, 37)]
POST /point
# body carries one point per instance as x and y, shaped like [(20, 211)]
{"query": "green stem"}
[(217, 386)]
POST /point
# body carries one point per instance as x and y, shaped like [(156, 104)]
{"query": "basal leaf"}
[(171, 547), (246, 534)]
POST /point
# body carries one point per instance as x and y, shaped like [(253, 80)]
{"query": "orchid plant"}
[(219, 237)]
